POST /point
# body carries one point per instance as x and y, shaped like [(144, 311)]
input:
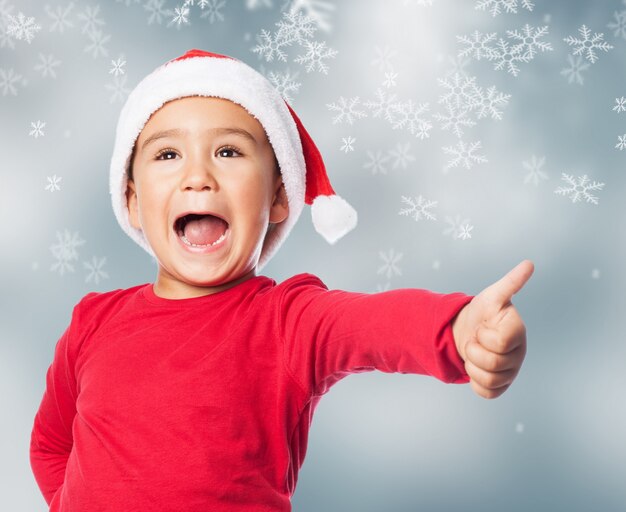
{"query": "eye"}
[(228, 149), (163, 152)]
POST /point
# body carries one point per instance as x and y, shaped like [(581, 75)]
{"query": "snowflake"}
[(8, 79), (463, 154), (119, 89), (5, 38), (347, 144), (487, 104), (65, 251), (317, 10), (213, 10), (37, 130), (418, 208), (508, 57), (619, 25), (496, 6), (588, 44), (90, 19), (376, 162), (529, 40), (390, 260), (315, 55), (53, 183), (46, 65), (384, 104), (383, 288), (270, 46), (621, 142), (98, 40), (22, 27), (462, 92), (383, 58), (454, 120), (118, 66), (157, 12), (295, 27), (59, 18), (347, 110), (180, 17), (574, 72), (620, 104), (579, 189), (457, 227), (457, 65), (519, 427), (390, 79), (401, 155), (534, 167), (465, 232), (409, 117), (478, 45), (285, 83), (95, 270)]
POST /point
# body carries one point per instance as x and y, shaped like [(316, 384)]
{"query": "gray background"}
[(556, 439)]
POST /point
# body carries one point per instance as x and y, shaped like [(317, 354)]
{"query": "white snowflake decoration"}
[(534, 168), (496, 7), (418, 208), (347, 144), (401, 155), (22, 27), (95, 270), (315, 57), (464, 154), (390, 268), (46, 65), (53, 183), (377, 162), (347, 110), (37, 130), (65, 251), (458, 228), (579, 188), (589, 44), (576, 67)]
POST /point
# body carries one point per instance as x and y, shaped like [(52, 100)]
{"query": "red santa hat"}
[(201, 73)]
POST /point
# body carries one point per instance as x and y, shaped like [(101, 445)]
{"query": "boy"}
[(196, 392)]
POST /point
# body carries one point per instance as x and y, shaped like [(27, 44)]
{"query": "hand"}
[(490, 335)]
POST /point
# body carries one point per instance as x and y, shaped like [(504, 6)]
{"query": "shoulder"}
[(96, 306), (301, 280)]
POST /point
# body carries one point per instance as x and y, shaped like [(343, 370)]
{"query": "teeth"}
[(184, 239)]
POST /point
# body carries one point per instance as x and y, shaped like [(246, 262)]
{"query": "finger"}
[(487, 393), (490, 380), (491, 361), (503, 290), (507, 337)]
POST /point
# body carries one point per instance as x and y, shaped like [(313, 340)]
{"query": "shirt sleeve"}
[(51, 437), (328, 334)]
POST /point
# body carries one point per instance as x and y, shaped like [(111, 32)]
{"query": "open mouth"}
[(201, 229)]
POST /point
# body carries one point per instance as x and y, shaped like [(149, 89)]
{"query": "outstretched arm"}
[(490, 335)]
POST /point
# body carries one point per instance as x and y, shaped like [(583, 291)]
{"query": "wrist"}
[(459, 331)]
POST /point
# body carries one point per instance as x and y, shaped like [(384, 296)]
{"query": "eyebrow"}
[(177, 132)]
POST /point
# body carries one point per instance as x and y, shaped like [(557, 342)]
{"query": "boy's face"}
[(204, 169)]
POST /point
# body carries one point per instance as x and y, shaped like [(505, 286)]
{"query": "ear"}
[(131, 203), (280, 206)]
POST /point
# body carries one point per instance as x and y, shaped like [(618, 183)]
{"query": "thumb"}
[(503, 290)]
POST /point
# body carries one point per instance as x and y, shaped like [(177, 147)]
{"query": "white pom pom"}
[(332, 217)]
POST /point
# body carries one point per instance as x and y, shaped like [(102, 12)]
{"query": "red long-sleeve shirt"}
[(205, 403)]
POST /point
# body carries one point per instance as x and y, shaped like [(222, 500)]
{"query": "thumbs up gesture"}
[(490, 335)]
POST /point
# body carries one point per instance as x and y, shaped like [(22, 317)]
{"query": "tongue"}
[(204, 230)]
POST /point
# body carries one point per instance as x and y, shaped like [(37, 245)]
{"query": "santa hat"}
[(201, 73)]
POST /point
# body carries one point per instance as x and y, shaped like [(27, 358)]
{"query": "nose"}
[(198, 172)]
